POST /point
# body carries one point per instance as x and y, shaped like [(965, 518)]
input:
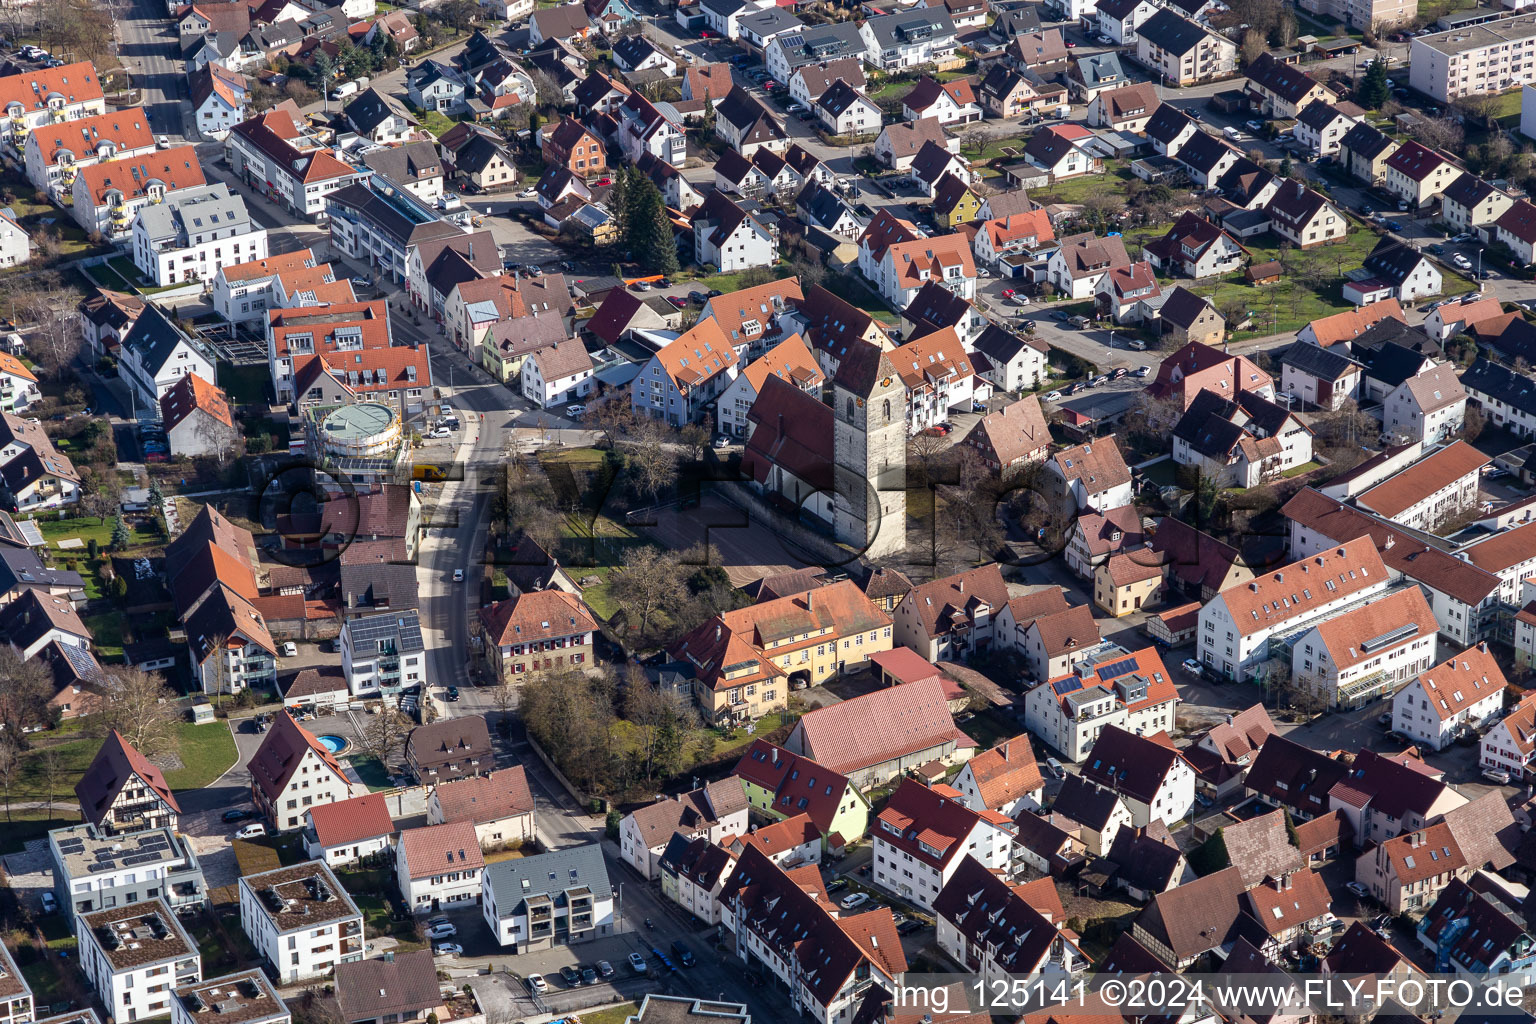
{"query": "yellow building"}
[(780, 785), (955, 202), (1126, 582), (746, 661)]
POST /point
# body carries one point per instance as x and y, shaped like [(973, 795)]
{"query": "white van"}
[(343, 90), (1232, 134)]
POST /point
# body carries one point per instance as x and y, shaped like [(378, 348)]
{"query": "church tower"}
[(869, 452)]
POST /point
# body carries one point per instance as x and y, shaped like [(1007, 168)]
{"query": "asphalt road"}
[(150, 50)]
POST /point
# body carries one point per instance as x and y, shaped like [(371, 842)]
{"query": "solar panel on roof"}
[(1119, 668), (1066, 686)]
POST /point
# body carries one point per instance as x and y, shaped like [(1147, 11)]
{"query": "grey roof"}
[(838, 98), (1100, 68), (370, 584), (821, 42), (1167, 123), (1393, 261), (633, 50), (907, 27), (372, 108), (406, 164), (20, 567), (824, 207), (212, 211), (549, 874), (1204, 151), (1085, 802), (770, 21), (1322, 363), (1170, 32), (1365, 140), (1391, 363), (404, 985), (154, 337), (1018, 21), (1319, 114), (1499, 382), (386, 218)]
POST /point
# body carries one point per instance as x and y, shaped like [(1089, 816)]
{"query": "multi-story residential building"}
[(123, 791), (1155, 781), (292, 771), (243, 998), (1079, 266), (1005, 779), (644, 128), (1239, 627), (382, 226), (350, 342), (727, 236), (382, 655), (537, 631), (781, 784), (194, 233), (1438, 487), (829, 964), (553, 375), (913, 37), (244, 292), (284, 162), (551, 899), (156, 354), (1516, 229), (93, 870), (1510, 744), (1469, 203), (790, 360), (414, 166), (710, 812), (108, 196), (55, 152), (1305, 217), (1119, 19), (951, 618), (1429, 407), (1477, 932), (922, 836), (1134, 692), (1456, 697), (1199, 367), (1478, 60), (744, 662), (880, 735), (815, 44), (1240, 441), (1280, 90), (1408, 872), (1376, 15), (45, 96), (1321, 127), (450, 749), (1184, 52), (994, 931), (1368, 651), (1365, 151), (437, 866), (1506, 396), (1418, 174), (134, 956), (679, 379), (694, 873), (300, 920), (1091, 476)]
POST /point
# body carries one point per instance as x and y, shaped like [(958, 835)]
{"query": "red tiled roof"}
[(439, 849), (351, 821)]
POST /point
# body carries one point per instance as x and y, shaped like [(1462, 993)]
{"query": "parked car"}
[(570, 976), (678, 301), (1465, 236), (1142, 371), (290, 650), (1027, 326), (238, 814), (255, 830), (447, 949), (537, 984), (1193, 667), (1498, 775), (588, 976), (855, 899), (1053, 396), (684, 954), (1054, 769), (602, 182), (837, 884), (50, 904), (637, 963), (458, 575), (722, 441), (1118, 372), (574, 411), (441, 928), (441, 432), (910, 926), (452, 695), (1436, 250), (605, 968), (1358, 889), (1257, 127)]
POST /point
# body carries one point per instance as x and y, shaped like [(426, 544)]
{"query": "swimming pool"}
[(335, 744)]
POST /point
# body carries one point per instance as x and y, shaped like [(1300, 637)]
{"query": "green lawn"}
[(86, 527), (990, 727), (207, 752), (246, 384), (994, 149), (1305, 467), (24, 826), (107, 634), (1075, 190), (612, 1015), (374, 775)]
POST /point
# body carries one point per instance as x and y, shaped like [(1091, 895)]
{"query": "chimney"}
[(1391, 542), (1301, 190), (718, 630), (962, 584)]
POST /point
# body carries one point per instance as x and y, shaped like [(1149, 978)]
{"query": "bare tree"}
[(48, 303), (10, 768), (101, 492), (1442, 133), (1346, 425), (139, 706), (652, 459), (51, 767), (384, 735), (25, 686), (648, 578), (219, 440)]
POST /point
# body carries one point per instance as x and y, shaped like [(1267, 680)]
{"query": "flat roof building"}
[(301, 919), (134, 956)]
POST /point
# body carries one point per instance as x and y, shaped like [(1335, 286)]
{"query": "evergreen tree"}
[(650, 233), (1375, 88), (1290, 831), (120, 536)]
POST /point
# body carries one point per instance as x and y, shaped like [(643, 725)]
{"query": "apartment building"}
[(710, 812), (95, 871), (1366, 652), (1238, 625), (134, 956), (923, 835), (300, 920), (1373, 14), (1478, 60), (1154, 780), (550, 899), (383, 655), (437, 866), (1184, 52), (1133, 692), (194, 233), (244, 998), (997, 933), (291, 772), (1455, 697), (1510, 744), (535, 631)]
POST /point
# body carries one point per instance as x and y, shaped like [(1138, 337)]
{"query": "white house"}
[(194, 233), (348, 831), (906, 266), (301, 921), (844, 110), (293, 771), (1235, 625), (1005, 779), (713, 812), (1077, 268), (1430, 406), (790, 360), (134, 955), (728, 237), (1242, 440), (156, 354), (1456, 697), (1069, 712), (921, 838), (998, 933), (438, 866), (220, 99), (1354, 657), (284, 160), (499, 805), (1510, 744), (559, 898), (1092, 475), (108, 196), (1441, 484), (909, 38), (686, 374), (1151, 777), (557, 374), (383, 653)]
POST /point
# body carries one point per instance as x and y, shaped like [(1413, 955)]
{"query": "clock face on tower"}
[(886, 383)]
